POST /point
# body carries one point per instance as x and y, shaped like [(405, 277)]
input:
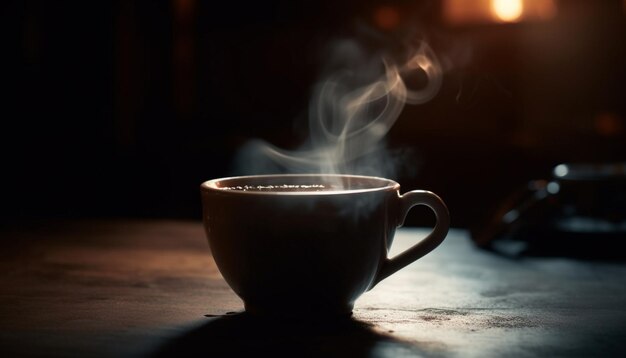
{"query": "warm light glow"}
[(386, 18), (507, 10), (466, 12), (608, 124)]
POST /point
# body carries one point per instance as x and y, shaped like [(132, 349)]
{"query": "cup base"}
[(299, 313)]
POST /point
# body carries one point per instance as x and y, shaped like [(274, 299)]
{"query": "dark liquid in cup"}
[(284, 187), (300, 184)]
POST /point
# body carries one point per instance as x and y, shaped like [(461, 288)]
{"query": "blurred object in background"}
[(579, 211)]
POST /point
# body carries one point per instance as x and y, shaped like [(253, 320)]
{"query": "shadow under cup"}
[(293, 244)]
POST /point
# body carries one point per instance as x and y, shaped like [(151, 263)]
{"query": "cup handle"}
[(426, 245)]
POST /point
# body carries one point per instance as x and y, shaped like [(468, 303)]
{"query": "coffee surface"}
[(284, 187)]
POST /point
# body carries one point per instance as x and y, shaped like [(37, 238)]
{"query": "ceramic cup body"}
[(292, 251)]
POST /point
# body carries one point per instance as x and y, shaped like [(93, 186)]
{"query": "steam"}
[(349, 115)]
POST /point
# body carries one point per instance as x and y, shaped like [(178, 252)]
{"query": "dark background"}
[(122, 108)]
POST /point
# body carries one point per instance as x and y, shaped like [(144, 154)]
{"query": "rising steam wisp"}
[(349, 116)]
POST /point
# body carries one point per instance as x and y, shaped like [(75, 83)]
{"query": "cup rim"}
[(211, 185)]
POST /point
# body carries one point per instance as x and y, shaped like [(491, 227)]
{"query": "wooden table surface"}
[(137, 288)]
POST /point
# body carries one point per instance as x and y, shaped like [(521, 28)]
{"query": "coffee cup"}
[(312, 243)]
